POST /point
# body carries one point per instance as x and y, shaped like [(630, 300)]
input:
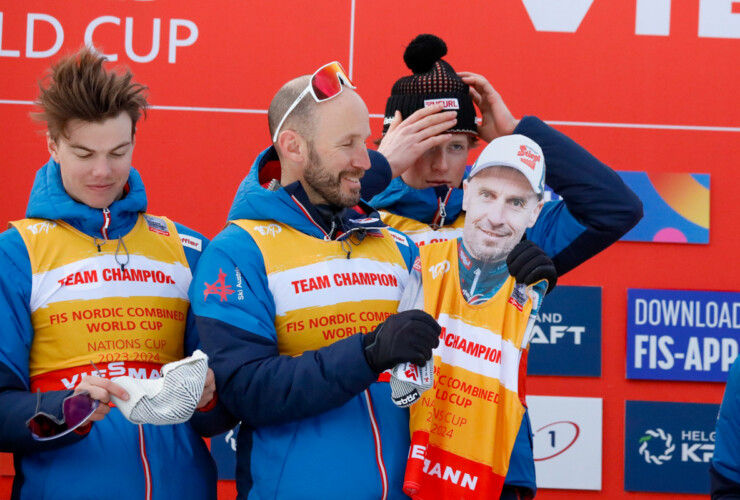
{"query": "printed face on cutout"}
[(337, 153), (95, 159), (500, 205), (440, 165)]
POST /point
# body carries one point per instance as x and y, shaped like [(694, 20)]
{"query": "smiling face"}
[(95, 159), (500, 205), (440, 165), (337, 154)]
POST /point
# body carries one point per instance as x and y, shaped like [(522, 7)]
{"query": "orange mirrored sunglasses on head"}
[(325, 83)]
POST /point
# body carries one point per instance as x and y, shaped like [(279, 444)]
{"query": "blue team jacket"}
[(725, 469), (306, 429), (105, 462)]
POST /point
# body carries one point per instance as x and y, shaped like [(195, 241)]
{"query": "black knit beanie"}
[(433, 80)]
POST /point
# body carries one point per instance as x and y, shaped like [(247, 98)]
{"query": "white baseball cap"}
[(515, 151)]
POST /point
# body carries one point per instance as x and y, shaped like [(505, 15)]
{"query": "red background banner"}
[(645, 102)]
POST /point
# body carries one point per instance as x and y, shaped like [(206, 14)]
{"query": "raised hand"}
[(496, 119), (406, 140)]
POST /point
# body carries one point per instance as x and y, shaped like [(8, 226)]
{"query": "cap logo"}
[(528, 157), (447, 103)]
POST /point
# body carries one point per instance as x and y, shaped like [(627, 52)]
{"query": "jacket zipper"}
[(106, 223), (442, 211), (305, 212), (368, 400), (378, 446), (145, 463)]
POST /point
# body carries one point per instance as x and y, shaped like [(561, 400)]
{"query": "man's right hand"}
[(406, 140), (405, 337), (101, 389), (496, 119)]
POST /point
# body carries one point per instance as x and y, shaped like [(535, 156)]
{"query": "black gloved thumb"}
[(529, 264)]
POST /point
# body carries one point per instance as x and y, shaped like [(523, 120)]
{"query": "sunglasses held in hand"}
[(76, 410), (325, 84)]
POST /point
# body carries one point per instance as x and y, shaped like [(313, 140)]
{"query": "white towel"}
[(168, 400)]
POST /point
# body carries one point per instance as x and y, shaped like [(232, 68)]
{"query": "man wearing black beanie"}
[(429, 128)]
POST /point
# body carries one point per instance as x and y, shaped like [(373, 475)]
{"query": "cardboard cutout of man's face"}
[(500, 205)]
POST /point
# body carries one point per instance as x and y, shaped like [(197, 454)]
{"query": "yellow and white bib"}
[(463, 429), (88, 308), (322, 296)]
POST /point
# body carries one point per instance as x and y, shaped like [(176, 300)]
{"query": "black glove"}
[(528, 264), (406, 337)]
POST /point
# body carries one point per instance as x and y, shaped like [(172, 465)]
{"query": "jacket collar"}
[(49, 200), (429, 205), (291, 206)]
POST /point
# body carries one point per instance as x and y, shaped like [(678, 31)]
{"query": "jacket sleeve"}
[(216, 419), (17, 403), (378, 177), (722, 488), (193, 245), (235, 315), (597, 207), (725, 470)]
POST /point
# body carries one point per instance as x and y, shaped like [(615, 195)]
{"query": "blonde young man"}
[(296, 307)]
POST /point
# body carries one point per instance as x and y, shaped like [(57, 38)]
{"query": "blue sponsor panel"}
[(682, 334), (668, 446), (223, 449), (567, 337)]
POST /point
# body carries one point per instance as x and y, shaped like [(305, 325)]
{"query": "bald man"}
[(296, 303)]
